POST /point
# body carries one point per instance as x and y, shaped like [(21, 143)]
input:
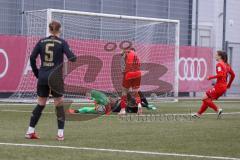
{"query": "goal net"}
[(98, 39)]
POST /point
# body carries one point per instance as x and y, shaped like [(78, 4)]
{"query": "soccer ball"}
[(101, 109)]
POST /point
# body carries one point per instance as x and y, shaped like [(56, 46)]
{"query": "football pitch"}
[(168, 133)]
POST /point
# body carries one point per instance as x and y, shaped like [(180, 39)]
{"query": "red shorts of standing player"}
[(130, 65), (223, 69), (133, 82)]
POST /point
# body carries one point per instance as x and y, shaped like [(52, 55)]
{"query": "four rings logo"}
[(3, 73), (194, 69)]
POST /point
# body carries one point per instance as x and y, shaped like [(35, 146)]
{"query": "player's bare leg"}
[(36, 114), (123, 103), (60, 113)]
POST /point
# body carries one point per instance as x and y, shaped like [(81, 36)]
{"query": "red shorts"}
[(216, 92), (133, 83)]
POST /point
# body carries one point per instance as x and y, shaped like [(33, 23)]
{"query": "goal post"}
[(97, 39), (177, 44)]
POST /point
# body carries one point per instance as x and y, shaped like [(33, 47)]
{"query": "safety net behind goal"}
[(97, 40)]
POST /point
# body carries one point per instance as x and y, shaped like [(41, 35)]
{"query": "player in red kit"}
[(130, 65), (223, 69)]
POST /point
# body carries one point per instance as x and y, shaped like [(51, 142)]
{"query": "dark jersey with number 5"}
[(51, 50)]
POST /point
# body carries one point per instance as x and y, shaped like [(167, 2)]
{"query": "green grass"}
[(206, 136)]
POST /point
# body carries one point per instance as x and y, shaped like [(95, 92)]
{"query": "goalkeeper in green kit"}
[(105, 105), (101, 104)]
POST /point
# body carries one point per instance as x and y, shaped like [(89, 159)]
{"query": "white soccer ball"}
[(101, 109)]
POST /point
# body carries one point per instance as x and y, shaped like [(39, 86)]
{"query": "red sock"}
[(203, 108), (210, 103), (123, 103)]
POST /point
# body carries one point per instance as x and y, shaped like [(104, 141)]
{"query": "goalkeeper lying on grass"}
[(105, 105)]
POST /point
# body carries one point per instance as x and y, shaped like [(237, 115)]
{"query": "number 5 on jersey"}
[(49, 52)]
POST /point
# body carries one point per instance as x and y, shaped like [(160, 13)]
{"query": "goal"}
[(97, 39)]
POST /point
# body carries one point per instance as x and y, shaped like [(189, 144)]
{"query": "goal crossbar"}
[(108, 15)]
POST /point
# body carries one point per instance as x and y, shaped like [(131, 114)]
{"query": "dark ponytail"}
[(223, 56)]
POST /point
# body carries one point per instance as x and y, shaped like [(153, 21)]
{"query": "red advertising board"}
[(12, 59), (195, 64)]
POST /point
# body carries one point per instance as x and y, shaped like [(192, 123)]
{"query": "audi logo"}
[(6, 66), (194, 69)]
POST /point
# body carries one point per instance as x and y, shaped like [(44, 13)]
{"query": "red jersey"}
[(130, 62), (222, 70), (131, 65)]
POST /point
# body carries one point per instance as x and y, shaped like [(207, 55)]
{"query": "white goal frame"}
[(177, 32)]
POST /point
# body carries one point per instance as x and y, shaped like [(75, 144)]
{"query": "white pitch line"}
[(120, 151), (16, 104), (187, 101), (20, 111), (219, 101), (227, 113), (34, 104), (174, 114)]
